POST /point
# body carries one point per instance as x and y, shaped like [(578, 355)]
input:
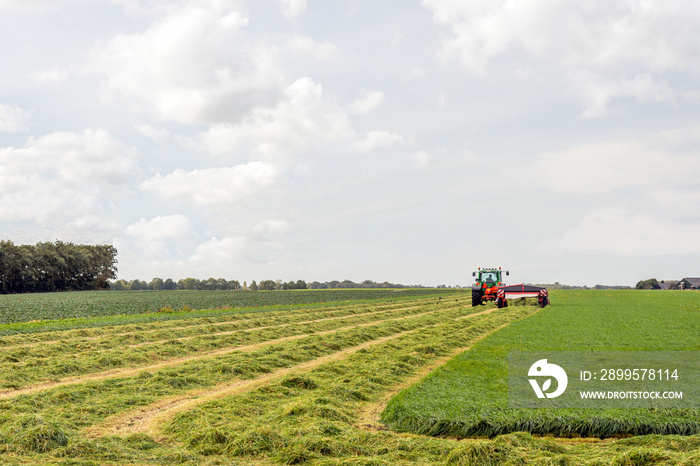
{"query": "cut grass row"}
[(105, 337), (469, 395), (31, 366), (132, 371)]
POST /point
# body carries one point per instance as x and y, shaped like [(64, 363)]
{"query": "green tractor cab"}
[(487, 283)]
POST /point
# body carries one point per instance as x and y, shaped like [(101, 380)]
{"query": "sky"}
[(408, 142)]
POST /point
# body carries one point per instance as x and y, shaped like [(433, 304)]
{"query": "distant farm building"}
[(689, 284)]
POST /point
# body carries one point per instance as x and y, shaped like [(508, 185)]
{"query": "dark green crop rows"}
[(70, 305)]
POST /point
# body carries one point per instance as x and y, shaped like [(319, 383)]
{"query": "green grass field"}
[(284, 384), (469, 395)]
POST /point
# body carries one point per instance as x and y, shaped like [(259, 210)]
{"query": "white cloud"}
[(379, 140), (619, 230), (216, 254), (301, 123), (13, 119), (598, 34), (612, 165), (440, 158), (441, 99), (680, 201), (660, 170), (54, 75), (300, 46), (597, 92), (194, 64), (368, 101), (260, 244), (156, 134), (155, 238), (271, 227), (170, 227), (422, 158), (169, 247), (150, 7), (611, 50), (214, 187), (62, 176), (291, 8), (36, 5)]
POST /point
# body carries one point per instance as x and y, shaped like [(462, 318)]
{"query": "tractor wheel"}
[(476, 298), (499, 302), (545, 301)]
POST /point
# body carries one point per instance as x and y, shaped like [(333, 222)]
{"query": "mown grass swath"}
[(468, 396), (314, 412), (75, 356)]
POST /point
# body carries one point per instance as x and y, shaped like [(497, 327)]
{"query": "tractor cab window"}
[(488, 277)]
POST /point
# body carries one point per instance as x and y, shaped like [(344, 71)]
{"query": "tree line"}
[(350, 284), (55, 266), (158, 284)]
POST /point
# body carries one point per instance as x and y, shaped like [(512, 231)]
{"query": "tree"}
[(188, 284), (222, 284), (650, 284), (267, 285), (253, 286), (157, 284), (55, 266), (208, 284), (169, 284)]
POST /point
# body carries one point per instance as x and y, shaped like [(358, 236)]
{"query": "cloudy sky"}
[(402, 141)]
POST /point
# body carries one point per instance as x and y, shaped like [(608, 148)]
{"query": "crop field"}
[(284, 384), (16, 308)]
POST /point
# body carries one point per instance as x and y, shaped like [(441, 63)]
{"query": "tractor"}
[(487, 283), (490, 287)]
